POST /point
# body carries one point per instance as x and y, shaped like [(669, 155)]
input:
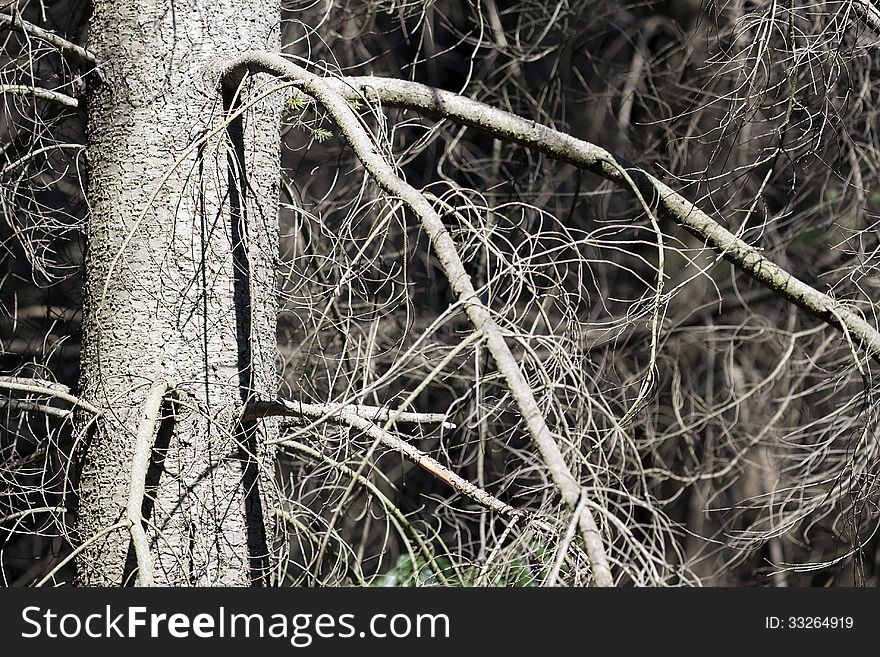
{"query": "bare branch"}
[(32, 512), (869, 13), (563, 546), (70, 50), (140, 463), (30, 155), (39, 387), (34, 407), (283, 408), (564, 147), (37, 92), (362, 418), (459, 280), (432, 466)]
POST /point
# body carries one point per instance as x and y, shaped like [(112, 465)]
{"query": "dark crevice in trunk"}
[(246, 433), (258, 551)]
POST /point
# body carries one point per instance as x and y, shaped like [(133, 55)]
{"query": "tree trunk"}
[(182, 245)]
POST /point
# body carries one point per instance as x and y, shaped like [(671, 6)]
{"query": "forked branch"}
[(460, 282), (582, 154)]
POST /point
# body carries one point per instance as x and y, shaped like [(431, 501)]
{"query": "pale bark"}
[(182, 239)]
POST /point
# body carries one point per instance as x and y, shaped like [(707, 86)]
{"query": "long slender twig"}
[(140, 463), (564, 544), (33, 153), (70, 50), (21, 461), (73, 554), (37, 92), (459, 280)]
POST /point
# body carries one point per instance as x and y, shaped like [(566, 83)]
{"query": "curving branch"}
[(403, 525), (582, 154), (70, 50), (140, 464), (386, 177), (31, 154)]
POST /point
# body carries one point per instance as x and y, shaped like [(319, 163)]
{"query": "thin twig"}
[(70, 557), (562, 548), (29, 156), (399, 519)]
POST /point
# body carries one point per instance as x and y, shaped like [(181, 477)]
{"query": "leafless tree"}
[(376, 292)]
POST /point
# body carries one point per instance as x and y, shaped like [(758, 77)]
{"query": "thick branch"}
[(140, 463), (70, 50), (564, 147), (37, 92), (869, 13), (33, 407), (459, 280)]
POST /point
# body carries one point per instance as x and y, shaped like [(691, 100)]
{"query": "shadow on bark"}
[(247, 431)]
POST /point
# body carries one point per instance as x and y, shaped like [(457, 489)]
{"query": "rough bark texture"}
[(182, 243)]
